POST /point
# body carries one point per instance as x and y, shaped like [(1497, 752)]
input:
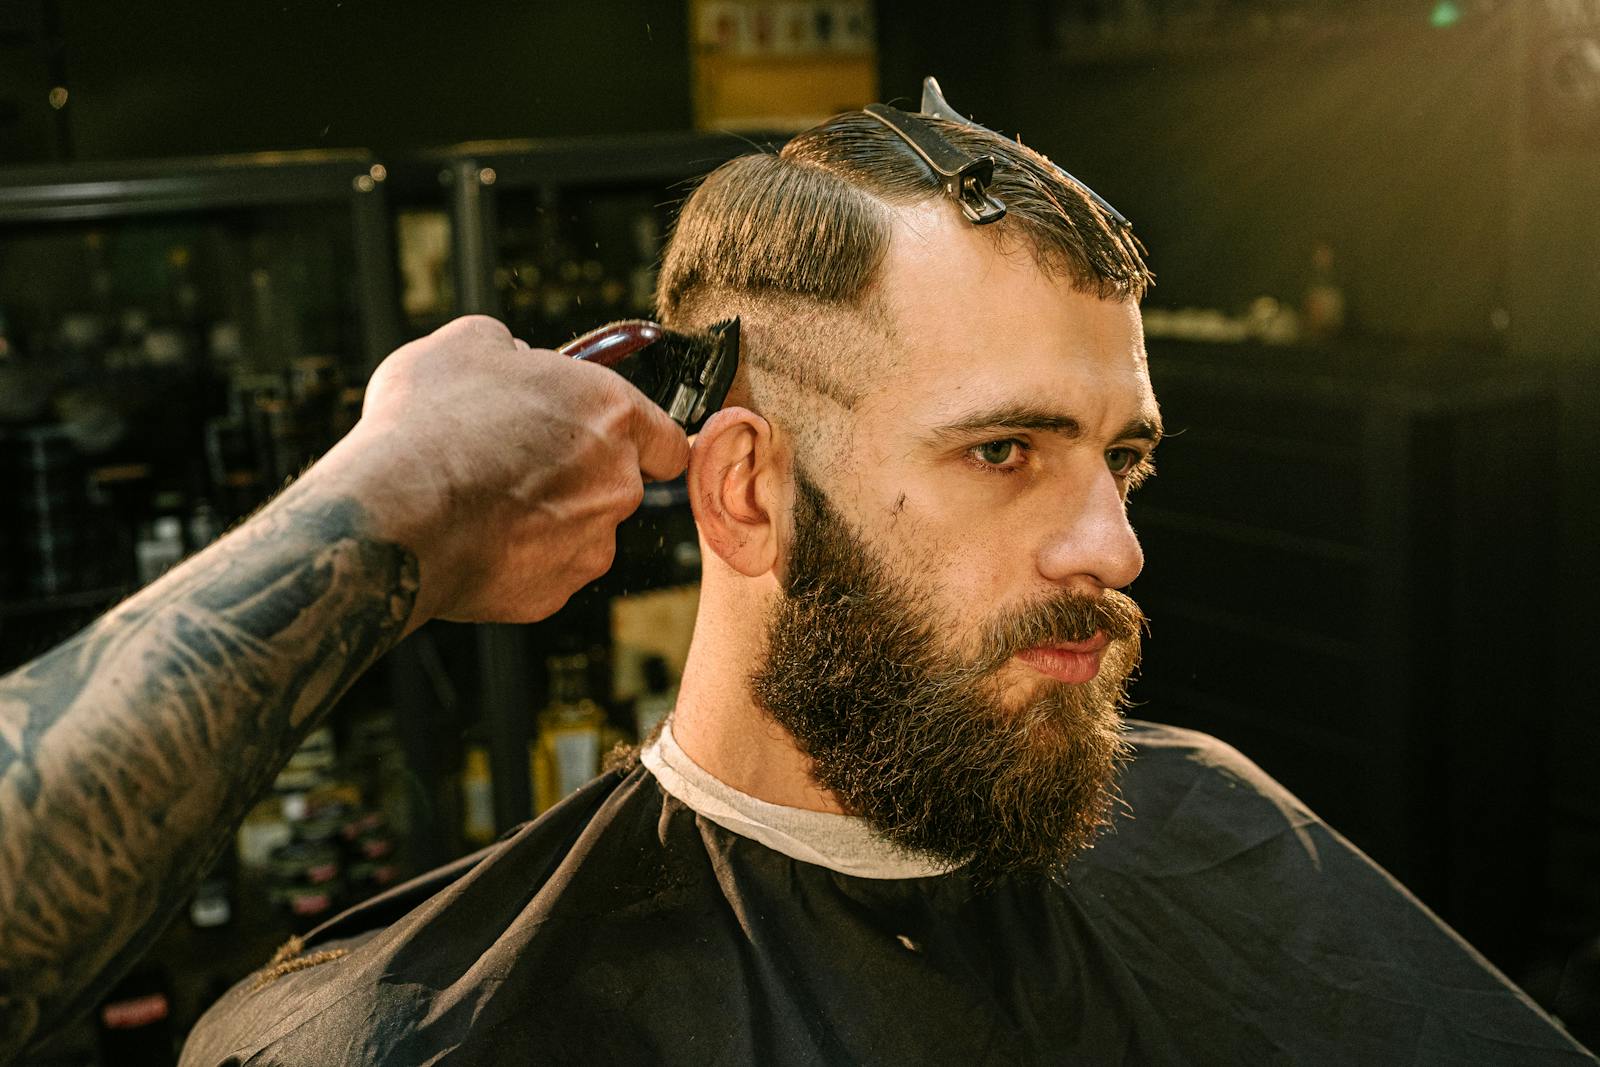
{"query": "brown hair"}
[(813, 221)]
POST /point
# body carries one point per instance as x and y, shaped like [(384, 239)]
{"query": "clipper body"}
[(687, 374)]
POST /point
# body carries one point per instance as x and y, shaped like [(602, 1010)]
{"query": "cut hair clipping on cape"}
[(965, 179)]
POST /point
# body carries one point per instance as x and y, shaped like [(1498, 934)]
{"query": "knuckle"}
[(613, 391), (480, 325), (619, 397), (600, 554), (632, 493)]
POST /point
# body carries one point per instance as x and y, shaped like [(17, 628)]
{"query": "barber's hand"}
[(506, 469)]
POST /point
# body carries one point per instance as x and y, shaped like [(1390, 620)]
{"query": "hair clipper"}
[(686, 373)]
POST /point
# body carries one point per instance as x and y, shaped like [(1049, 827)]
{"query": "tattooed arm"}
[(485, 481), (127, 754)]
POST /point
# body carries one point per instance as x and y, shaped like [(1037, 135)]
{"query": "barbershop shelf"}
[(179, 337), (556, 236), (104, 194)]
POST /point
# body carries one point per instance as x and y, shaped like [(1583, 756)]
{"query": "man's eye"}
[(1123, 461), (998, 453)]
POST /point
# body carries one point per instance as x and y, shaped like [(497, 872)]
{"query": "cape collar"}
[(843, 843)]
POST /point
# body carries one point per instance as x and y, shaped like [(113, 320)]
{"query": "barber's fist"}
[(506, 469)]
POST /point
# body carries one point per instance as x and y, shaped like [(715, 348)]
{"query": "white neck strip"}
[(843, 843)]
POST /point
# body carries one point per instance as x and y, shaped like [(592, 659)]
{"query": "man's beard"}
[(913, 735)]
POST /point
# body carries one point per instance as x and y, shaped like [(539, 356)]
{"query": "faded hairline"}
[(804, 342)]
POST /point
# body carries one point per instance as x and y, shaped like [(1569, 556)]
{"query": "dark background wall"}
[(1234, 158), (189, 77)]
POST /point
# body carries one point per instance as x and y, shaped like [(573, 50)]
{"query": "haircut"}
[(813, 222), (799, 237)]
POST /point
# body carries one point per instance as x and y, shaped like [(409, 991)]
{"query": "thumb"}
[(662, 444)]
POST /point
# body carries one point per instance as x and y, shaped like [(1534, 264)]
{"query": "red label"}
[(132, 1014), (311, 905)]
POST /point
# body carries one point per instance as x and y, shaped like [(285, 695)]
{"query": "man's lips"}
[(1067, 661)]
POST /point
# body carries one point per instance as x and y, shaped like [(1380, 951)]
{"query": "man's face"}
[(949, 651)]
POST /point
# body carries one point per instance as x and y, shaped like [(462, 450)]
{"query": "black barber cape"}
[(1219, 922)]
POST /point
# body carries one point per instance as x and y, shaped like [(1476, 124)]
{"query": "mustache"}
[(1068, 617)]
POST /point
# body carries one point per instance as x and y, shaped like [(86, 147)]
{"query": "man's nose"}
[(1094, 548)]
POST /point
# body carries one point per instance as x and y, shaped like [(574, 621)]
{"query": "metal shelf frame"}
[(103, 191)]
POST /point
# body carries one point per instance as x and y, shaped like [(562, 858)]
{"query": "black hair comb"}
[(965, 178)]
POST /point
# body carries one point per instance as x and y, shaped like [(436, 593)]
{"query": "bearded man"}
[(897, 816)]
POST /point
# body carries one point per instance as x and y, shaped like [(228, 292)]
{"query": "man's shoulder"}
[(1199, 752), (1188, 800), (1222, 885), (1170, 762)]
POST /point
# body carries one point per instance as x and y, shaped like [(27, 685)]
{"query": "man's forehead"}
[(952, 318), (974, 323), (941, 273)]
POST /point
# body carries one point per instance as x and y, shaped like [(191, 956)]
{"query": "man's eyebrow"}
[(1030, 417), (1012, 417), (1142, 428)]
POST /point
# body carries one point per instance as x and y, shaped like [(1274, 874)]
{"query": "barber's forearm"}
[(129, 754)]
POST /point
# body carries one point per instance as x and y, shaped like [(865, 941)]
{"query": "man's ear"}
[(734, 480)]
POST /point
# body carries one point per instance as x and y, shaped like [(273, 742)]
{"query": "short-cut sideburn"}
[(813, 222)]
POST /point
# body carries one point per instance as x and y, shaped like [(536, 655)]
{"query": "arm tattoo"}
[(130, 753)]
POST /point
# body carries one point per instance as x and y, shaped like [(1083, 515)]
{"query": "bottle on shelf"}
[(477, 796), (128, 352), (134, 1022), (265, 829), (1324, 303), (159, 548), (572, 731), (211, 906), (203, 526)]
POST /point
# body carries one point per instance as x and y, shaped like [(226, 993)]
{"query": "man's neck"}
[(718, 724)]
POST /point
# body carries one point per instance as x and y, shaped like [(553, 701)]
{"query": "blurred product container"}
[(324, 838), (1323, 310), (572, 733), (781, 64)]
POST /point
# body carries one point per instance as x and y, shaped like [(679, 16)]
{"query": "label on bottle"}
[(650, 709), (577, 758), (477, 797)]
